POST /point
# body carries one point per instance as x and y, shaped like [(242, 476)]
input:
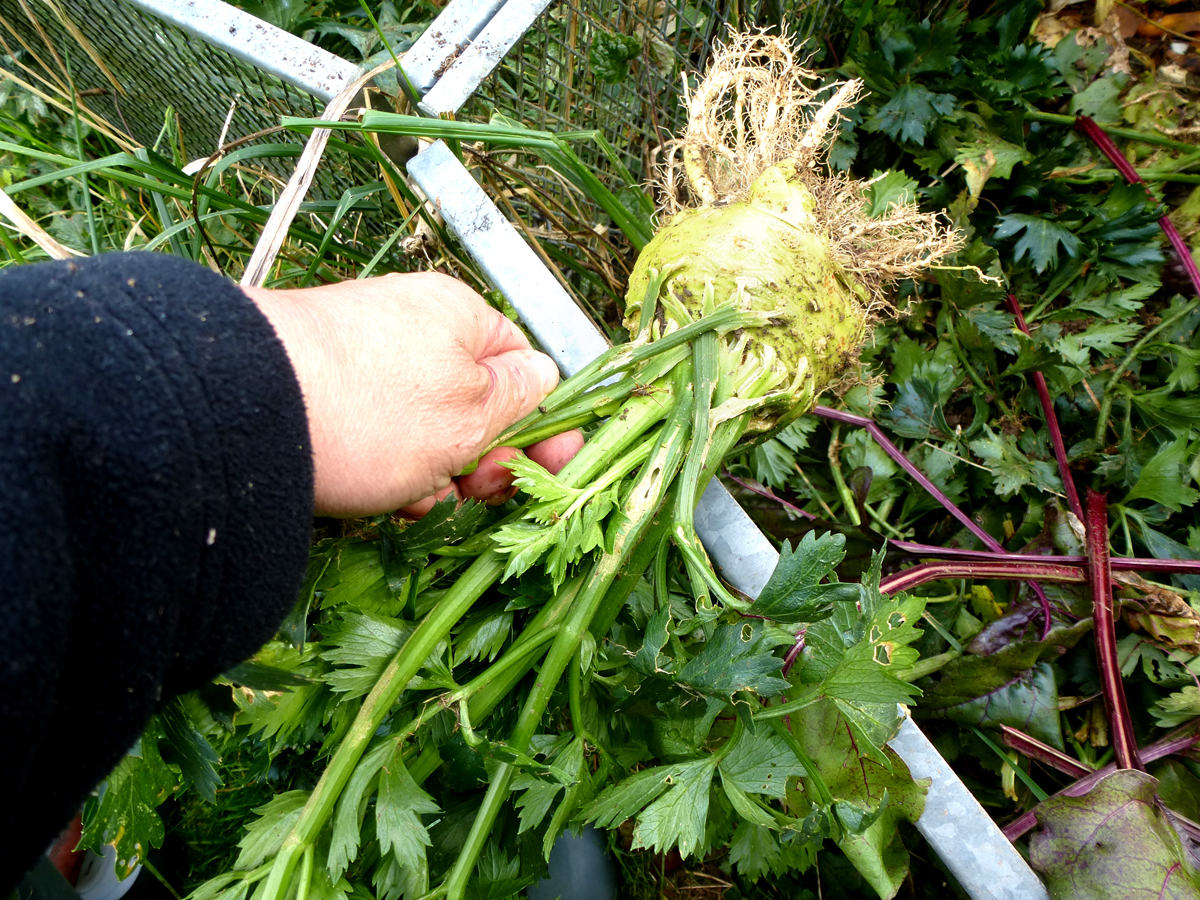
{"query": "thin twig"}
[(762, 491)]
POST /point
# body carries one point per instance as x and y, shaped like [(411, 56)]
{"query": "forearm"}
[(155, 503)]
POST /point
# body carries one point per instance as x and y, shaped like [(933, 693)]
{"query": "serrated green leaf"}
[(754, 851), (625, 800), (736, 658), (1177, 708), (126, 814), (450, 520), (676, 819), (908, 115), (649, 659), (1107, 338), (352, 807), (1011, 468), (361, 644), (1041, 240), (988, 156), (795, 593), (196, 756), (482, 635), (398, 810), (264, 836), (1161, 479), (761, 762), (888, 189)]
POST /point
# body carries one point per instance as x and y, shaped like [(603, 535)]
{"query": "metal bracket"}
[(468, 40), (258, 43), (966, 839)]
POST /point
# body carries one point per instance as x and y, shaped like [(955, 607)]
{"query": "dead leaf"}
[(1159, 612), (1179, 23)]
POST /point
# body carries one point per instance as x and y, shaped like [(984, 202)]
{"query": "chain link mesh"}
[(548, 81)]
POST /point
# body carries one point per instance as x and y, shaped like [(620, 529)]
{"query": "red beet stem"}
[(918, 476), (1046, 569), (1178, 740), (1056, 438), (1097, 136), (1117, 563), (1100, 575), (1043, 753)]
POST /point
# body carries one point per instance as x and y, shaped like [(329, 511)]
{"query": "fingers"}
[(425, 504), (490, 482), (555, 452), (520, 379)]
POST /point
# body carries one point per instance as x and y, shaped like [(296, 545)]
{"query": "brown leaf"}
[(1160, 613), (1180, 23)]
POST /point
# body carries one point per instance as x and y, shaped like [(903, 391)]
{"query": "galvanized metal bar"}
[(484, 53), (454, 28), (560, 326), (955, 825), (961, 832), (966, 839), (258, 43)]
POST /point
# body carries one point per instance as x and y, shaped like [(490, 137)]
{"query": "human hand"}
[(406, 379)]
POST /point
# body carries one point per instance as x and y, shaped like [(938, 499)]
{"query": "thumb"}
[(520, 380)]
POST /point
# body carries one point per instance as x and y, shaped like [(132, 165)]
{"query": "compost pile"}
[(919, 241)]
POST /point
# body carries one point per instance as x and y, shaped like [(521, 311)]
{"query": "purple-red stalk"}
[(793, 653), (762, 491), (1043, 753), (1118, 563), (918, 476), (1043, 570), (1120, 724), (1097, 136), (1056, 438), (1179, 740)]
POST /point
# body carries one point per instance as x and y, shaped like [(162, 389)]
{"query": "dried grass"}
[(758, 105)]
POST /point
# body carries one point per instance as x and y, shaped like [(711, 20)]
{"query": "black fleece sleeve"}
[(155, 510)]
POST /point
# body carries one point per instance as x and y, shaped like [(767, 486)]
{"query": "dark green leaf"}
[(889, 189), (794, 593), (610, 54), (650, 660), (265, 835), (196, 756), (1041, 240), (736, 658), (262, 677), (676, 819), (761, 763), (1161, 479), (398, 811), (126, 814), (910, 113)]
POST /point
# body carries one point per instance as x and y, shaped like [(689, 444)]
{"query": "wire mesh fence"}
[(616, 67), (613, 66)]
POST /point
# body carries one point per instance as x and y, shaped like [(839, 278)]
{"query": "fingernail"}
[(547, 371)]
